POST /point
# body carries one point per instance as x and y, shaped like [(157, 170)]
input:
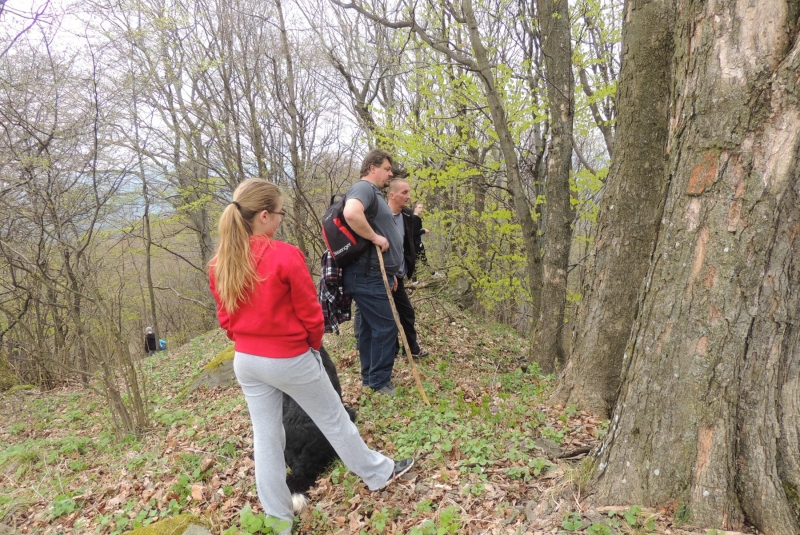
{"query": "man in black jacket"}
[(399, 195), (418, 231), (150, 343)]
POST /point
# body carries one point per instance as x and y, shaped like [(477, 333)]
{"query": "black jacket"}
[(150, 342), (416, 226), (409, 251)]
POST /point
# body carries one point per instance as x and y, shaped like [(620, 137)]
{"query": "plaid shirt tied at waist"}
[(332, 296)]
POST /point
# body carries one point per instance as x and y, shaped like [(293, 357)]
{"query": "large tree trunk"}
[(630, 211), (708, 413), (557, 51)]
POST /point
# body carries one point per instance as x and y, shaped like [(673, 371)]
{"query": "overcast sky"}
[(34, 20)]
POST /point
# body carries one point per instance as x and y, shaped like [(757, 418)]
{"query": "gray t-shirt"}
[(383, 224)]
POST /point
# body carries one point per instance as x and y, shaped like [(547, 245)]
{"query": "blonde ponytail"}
[(234, 273)]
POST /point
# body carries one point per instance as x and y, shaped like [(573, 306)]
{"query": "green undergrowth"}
[(477, 445)]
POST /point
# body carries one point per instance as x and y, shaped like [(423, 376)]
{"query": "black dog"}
[(308, 453)]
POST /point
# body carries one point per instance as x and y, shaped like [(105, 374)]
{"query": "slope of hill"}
[(492, 456)]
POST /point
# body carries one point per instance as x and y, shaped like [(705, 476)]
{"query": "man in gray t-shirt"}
[(363, 280), (382, 224)]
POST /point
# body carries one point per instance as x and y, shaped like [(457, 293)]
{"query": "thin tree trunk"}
[(148, 241), (557, 51), (296, 139), (522, 207)]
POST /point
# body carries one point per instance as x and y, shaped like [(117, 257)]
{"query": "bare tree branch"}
[(34, 18)]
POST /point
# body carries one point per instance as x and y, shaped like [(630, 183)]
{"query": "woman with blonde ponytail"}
[(267, 304)]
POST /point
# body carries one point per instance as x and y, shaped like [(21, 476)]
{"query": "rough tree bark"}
[(630, 210), (708, 413), (557, 51)]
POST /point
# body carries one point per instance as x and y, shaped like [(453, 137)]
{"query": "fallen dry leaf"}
[(197, 492), (206, 463)]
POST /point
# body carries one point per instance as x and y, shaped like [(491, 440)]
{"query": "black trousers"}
[(407, 317)]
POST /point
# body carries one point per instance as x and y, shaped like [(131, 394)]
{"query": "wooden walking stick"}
[(402, 332)]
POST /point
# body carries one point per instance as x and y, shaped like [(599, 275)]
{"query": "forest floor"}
[(493, 457)]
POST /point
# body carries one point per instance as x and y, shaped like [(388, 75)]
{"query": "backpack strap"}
[(370, 218), (370, 213)]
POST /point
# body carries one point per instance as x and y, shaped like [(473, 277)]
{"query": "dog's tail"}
[(299, 485), (299, 502)]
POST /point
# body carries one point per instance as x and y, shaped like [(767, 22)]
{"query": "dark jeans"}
[(356, 322), (377, 333), (407, 317)]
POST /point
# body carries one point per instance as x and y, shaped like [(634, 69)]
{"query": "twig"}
[(574, 453)]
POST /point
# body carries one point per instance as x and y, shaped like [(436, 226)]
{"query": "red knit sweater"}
[(282, 318)]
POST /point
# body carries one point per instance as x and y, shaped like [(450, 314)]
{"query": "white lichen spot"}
[(627, 464), (692, 215), (778, 169), (677, 244), (706, 494), (725, 250), (602, 466), (677, 375), (657, 472)]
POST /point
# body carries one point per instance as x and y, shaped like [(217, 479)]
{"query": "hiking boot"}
[(421, 355), (389, 390), (400, 468)]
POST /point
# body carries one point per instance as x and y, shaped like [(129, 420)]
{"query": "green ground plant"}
[(447, 523), (250, 522), (478, 446), (572, 522)]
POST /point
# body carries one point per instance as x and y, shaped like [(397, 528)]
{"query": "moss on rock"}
[(223, 356), (185, 524), (17, 388)]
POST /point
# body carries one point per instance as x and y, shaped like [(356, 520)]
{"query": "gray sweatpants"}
[(263, 380)]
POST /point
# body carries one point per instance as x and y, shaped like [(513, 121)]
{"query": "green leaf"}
[(572, 522)]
